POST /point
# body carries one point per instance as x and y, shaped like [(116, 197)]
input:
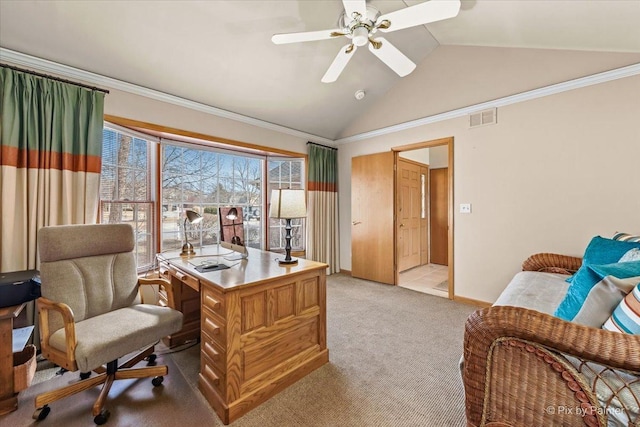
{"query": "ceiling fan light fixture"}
[(360, 36)]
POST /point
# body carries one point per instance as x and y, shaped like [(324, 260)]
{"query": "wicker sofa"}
[(524, 367)]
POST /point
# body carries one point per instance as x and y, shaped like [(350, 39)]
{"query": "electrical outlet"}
[(465, 208)]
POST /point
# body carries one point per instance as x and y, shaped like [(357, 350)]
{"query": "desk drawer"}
[(187, 279), (212, 349), (214, 327), (164, 270), (210, 372), (214, 301)]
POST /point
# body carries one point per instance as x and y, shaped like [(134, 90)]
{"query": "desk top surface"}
[(259, 267)]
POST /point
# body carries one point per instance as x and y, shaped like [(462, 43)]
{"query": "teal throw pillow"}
[(604, 251), (586, 278)]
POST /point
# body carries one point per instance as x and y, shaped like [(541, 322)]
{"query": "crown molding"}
[(606, 76), (46, 66)]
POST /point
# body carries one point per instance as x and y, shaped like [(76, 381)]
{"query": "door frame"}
[(430, 144)]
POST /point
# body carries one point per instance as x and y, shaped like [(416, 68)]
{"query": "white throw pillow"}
[(631, 255), (603, 298)]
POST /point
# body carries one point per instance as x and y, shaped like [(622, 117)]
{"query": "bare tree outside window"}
[(125, 195), (204, 180)]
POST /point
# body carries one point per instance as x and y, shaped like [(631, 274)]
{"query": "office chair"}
[(91, 313)]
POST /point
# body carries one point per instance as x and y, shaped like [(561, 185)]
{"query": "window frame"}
[(156, 133)]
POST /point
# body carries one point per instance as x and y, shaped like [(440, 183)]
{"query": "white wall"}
[(439, 157), (135, 107), (552, 173), (420, 156)]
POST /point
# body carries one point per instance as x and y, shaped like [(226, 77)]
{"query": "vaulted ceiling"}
[(219, 53)]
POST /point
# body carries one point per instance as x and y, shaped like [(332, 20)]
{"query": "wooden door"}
[(372, 229), (439, 201), (409, 195)]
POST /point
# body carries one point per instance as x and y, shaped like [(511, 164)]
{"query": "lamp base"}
[(288, 262), (187, 250)]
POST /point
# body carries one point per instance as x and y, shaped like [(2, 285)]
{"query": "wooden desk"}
[(263, 326), (8, 398)]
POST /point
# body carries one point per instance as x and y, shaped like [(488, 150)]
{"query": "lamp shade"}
[(193, 216), (287, 203)]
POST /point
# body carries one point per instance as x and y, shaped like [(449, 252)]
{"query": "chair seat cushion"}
[(104, 338)]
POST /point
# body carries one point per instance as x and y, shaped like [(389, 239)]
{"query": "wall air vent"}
[(483, 118)]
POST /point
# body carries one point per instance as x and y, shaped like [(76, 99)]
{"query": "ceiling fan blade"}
[(306, 36), (338, 64), (423, 13), (391, 56), (359, 6)]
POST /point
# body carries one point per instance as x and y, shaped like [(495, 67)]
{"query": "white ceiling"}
[(220, 53)]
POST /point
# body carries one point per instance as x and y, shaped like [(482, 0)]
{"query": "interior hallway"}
[(429, 279)]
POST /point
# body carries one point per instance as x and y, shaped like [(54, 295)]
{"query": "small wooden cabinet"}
[(262, 327), (186, 298)]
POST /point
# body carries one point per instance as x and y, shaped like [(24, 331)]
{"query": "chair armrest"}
[(163, 283), (514, 364), (45, 306), (552, 263)]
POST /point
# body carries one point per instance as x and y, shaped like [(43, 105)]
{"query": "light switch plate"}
[(465, 208)]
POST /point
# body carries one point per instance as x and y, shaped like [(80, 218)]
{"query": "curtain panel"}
[(50, 159), (322, 215)]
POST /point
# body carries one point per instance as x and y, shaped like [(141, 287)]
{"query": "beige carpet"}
[(393, 362)]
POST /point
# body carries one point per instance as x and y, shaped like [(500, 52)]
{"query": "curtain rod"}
[(325, 146), (58, 79)]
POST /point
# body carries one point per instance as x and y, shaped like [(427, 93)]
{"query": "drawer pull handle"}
[(216, 379), (213, 303), (215, 329), (180, 276), (215, 356)]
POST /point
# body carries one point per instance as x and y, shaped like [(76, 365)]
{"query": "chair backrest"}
[(91, 268)]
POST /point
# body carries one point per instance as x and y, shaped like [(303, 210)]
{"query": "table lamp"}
[(193, 217), (233, 215), (288, 204)]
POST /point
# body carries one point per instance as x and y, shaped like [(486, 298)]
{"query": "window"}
[(286, 173), (191, 176), (126, 194), (205, 179)]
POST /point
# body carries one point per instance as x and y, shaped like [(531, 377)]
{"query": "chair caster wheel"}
[(102, 417), (151, 360), (157, 381), (41, 413), (84, 375)]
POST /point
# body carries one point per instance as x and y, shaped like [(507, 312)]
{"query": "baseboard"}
[(471, 301), (345, 272)]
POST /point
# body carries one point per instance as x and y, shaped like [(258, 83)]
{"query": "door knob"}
[(356, 222), (401, 225)]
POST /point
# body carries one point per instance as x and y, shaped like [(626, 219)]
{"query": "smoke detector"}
[(359, 94)]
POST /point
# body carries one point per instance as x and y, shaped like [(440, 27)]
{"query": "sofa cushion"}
[(535, 290), (626, 317), (586, 278)]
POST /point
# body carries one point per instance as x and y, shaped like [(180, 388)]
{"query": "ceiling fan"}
[(360, 22)]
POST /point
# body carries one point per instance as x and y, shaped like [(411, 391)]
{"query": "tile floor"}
[(425, 278)]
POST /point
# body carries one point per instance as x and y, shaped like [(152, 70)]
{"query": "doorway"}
[(433, 274)]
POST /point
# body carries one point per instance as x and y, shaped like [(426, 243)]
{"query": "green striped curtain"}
[(322, 212), (50, 158)]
